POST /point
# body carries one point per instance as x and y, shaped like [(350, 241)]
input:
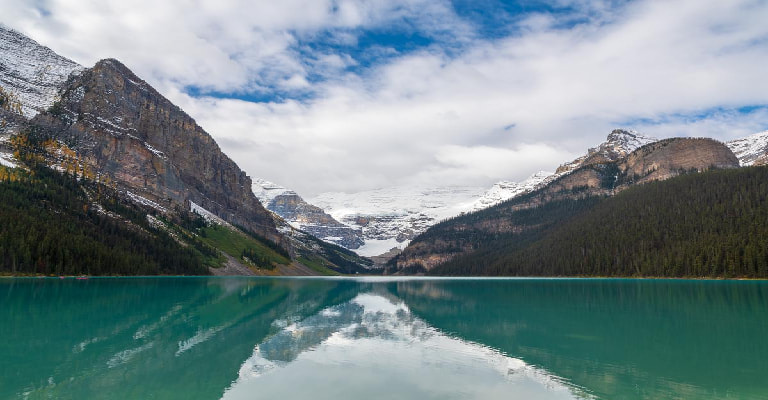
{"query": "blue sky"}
[(346, 95)]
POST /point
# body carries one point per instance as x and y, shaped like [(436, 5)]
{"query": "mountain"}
[(618, 144), (708, 224), (390, 217), (31, 72), (751, 150), (114, 132), (505, 190), (122, 130), (601, 173), (304, 216)]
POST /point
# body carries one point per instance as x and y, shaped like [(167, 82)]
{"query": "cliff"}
[(126, 133)]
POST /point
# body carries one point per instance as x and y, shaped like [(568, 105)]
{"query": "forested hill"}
[(55, 224), (711, 224)]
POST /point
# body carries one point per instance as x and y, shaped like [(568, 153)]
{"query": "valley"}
[(110, 130)]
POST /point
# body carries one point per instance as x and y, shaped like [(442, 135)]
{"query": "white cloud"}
[(427, 116)]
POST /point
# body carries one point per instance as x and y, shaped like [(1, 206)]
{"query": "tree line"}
[(710, 224)]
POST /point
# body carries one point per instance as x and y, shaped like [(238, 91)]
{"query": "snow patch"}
[(7, 160), (154, 150), (750, 148), (389, 217), (376, 247), (207, 215), (267, 191), (505, 190), (144, 201), (32, 72)]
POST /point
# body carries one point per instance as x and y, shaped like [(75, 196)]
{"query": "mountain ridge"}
[(658, 160), (32, 72), (304, 216)]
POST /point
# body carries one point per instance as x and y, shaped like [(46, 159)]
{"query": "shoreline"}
[(385, 277)]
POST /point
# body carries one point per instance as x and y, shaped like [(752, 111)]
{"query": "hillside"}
[(656, 161), (710, 224), (51, 224)]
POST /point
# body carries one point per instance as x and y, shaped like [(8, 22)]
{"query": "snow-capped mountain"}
[(32, 73), (304, 216), (505, 190), (391, 217), (751, 150), (618, 144)]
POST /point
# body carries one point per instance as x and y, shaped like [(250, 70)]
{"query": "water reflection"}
[(373, 347), (142, 338), (622, 339), (208, 338)]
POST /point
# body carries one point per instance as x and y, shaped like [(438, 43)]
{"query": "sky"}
[(350, 95)]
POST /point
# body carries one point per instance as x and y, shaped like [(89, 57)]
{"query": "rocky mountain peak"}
[(627, 140), (618, 144), (304, 216), (123, 129), (30, 72)]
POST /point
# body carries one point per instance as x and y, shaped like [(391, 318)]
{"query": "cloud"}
[(459, 109)]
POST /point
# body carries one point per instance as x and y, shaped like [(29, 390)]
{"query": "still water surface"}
[(283, 338)]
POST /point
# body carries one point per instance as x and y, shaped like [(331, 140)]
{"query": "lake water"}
[(283, 338)]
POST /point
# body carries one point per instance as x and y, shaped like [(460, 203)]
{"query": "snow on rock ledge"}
[(207, 215)]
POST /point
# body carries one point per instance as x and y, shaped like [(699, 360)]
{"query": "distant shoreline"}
[(387, 277)]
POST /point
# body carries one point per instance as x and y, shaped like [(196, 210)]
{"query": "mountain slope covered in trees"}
[(50, 226), (710, 224)]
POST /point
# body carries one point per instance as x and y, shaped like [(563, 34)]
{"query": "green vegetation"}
[(317, 265), (54, 224), (242, 246), (711, 224), (330, 259)]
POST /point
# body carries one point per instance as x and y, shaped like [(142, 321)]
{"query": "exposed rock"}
[(127, 132), (594, 177), (618, 144), (667, 158), (304, 216), (381, 260)]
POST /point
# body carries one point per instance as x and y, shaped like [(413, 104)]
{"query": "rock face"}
[(597, 175), (129, 134), (30, 72), (667, 158), (618, 144), (751, 150), (304, 216)]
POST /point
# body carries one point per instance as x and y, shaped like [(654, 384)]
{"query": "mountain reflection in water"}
[(254, 338), (373, 347)]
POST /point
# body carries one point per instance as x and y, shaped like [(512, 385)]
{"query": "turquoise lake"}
[(315, 338)]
